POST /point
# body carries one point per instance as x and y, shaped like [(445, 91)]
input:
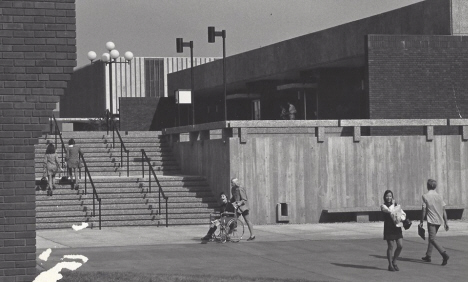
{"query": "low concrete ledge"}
[(458, 122), (283, 123), (393, 122), (198, 127)]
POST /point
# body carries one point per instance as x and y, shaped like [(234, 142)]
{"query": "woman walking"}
[(73, 161), (51, 167), (392, 233)]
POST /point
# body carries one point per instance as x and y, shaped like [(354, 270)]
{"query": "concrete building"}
[(407, 63), (88, 93)]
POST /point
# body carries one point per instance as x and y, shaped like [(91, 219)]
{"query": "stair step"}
[(125, 201)]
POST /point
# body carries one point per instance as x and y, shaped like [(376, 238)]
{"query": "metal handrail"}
[(144, 157), (110, 123), (57, 130), (95, 194)]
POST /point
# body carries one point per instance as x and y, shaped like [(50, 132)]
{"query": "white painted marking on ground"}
[(80, 227), (45, 255), (53, 274), (83, 258)]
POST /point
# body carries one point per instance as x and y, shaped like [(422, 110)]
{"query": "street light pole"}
[(109, 59), (211, 39), (180, 44)]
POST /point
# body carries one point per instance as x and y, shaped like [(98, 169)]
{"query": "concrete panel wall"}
[(313, 176), (459, 17), (210, 158), (38, 53)]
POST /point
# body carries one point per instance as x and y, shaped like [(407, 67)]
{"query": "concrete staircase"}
[(126, 201)]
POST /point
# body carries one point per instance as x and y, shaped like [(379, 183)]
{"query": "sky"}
[(149, 28)]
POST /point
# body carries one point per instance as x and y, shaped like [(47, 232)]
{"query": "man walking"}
[(434, 207), (239, 200)]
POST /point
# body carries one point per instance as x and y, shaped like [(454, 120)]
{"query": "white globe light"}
[(128, 56), (105, 57), (110, 45), (114, 54), (91, 55)]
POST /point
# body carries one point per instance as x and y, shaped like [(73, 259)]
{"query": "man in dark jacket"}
[(226, 212), (239, 200)]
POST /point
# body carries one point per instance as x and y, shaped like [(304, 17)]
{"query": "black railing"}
[(95, 194), (57, 132), (144, 158), (111, 124)]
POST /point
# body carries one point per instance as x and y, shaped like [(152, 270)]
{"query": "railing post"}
[(85, 182), (94, 207), (113, 134), (149, 177), (159, 202), (99, 214), (121, 154), (128, 169), (107, 121), (142, 165), (167, 216)]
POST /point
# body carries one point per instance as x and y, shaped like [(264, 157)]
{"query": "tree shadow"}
[(357, 266), (401, 258)]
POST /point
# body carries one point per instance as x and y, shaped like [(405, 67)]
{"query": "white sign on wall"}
[(183, 97)]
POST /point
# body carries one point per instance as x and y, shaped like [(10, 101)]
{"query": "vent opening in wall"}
[(282, 212)]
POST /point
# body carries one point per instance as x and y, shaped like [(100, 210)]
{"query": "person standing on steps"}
[(51, 167), (239, 200), (433, 206), (73, 161)]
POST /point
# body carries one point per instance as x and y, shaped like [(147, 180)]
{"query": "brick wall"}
[(37, 55), (146, 113), (417, 76)]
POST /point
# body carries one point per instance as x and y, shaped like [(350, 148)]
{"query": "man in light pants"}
[(434, 207)]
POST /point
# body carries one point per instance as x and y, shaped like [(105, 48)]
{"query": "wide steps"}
[(125, 201)]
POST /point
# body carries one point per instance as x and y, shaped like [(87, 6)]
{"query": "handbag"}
[(407, 224), (43, 183), (421, 232), (63, 176)]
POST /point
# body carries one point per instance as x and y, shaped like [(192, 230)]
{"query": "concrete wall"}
[(310, 51), (210, 158), (291, 164), (38, 53)]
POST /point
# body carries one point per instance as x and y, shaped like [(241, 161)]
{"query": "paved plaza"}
[(315, 252)]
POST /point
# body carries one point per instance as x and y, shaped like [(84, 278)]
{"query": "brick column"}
[(37, 56)]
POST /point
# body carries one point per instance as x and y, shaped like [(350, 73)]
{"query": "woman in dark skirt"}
[(392, 234)]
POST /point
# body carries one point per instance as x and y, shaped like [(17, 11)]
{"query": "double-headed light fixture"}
[(110, 58), (212, 34)]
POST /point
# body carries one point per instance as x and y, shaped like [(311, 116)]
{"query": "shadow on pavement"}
[(357, 266), (401, 258)]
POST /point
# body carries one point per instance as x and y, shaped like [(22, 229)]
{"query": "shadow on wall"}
[(164, 114), (146, 113)]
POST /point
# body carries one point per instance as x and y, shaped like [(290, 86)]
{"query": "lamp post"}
[(211, 39), (180, 44), (109, 59)]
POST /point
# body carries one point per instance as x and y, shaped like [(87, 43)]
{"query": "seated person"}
[(227, 211)]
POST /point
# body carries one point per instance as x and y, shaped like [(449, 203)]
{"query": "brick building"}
[(37, 56), (407, 63)]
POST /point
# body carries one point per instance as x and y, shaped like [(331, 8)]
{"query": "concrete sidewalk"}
[(315, 252)]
